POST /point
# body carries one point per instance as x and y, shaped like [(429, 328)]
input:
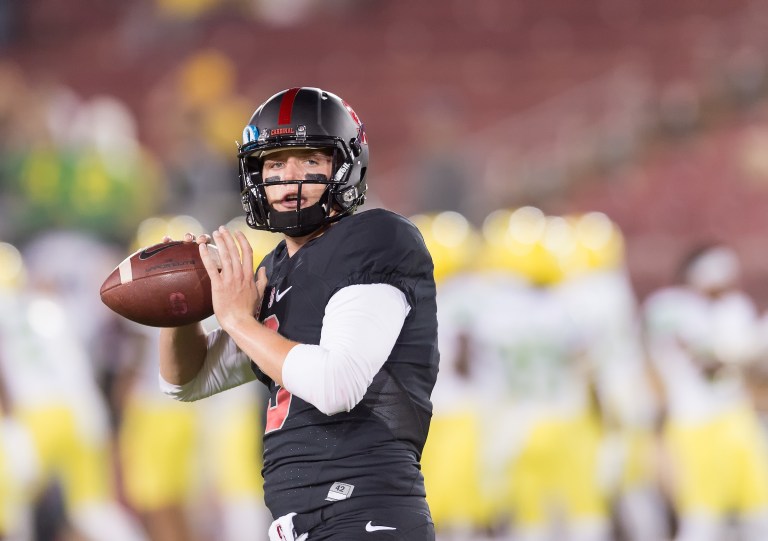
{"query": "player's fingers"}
[(202, 239), (234, 255), (230, 260), (247, 253), (209, 261), (224, 256)]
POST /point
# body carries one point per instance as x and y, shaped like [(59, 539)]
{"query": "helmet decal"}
[(286, 106), (341, 172), (280, 131), (353, 114), (250, 133)]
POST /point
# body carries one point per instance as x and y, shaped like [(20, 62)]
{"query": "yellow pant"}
[(557, 469), (83, 467), (156, 454), (165, 448), (720, 465), (451, 467)]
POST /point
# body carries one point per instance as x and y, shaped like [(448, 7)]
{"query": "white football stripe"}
[(126, 272)]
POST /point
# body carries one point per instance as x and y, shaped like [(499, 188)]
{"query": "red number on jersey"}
[(277, 412), (271, 323)]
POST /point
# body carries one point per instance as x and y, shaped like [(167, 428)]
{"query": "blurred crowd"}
[(70, 162)]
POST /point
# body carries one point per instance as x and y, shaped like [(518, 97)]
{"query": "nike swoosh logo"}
[(371, 528), (146, 254), (279, 295)]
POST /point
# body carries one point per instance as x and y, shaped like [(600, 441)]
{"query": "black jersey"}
[(311, 459)]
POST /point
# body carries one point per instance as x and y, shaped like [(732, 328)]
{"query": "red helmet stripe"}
[(286, 106)]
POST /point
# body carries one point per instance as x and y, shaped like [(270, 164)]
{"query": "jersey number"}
[(277, 412)]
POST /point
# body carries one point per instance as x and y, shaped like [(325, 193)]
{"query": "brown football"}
[(165, 285)]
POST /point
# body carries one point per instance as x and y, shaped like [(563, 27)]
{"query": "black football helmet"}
[(304, 118)]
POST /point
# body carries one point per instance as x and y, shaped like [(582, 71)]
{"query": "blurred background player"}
[(452, 462), (702, 336), (53, 394), (179, 494), (547, 430), (598, 295), (18, 462)]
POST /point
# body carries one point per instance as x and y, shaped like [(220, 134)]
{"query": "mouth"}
[(290, 202)]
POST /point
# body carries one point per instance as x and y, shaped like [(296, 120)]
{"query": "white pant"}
[(282, 530)]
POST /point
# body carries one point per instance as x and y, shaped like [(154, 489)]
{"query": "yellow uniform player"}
[(598, 294), (55, 398), (548, 433), (702, 335), (452, 459)]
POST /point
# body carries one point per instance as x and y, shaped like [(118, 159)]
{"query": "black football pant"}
[(402, 519)]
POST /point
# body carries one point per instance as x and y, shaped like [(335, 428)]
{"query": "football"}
[(164, 285)]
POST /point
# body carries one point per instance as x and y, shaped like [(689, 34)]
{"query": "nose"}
[(293, 170)]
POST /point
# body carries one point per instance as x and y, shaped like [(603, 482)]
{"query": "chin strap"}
[(298, 223)]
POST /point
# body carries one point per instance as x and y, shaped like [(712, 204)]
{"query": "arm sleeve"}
[(360, 327), (225, 367)]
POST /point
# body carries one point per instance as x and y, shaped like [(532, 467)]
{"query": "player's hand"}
[(236, 295)]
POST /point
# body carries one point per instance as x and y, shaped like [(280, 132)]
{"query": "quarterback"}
[(339, 323)]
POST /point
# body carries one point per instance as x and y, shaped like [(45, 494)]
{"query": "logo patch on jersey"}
[(280, 294), (339, 491)]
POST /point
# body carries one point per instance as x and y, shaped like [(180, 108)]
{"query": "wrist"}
[(234, 322)]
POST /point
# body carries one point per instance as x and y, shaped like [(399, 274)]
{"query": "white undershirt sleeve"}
[(225, 366), (360, 327)]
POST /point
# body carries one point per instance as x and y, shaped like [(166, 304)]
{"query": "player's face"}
[(296, 164)]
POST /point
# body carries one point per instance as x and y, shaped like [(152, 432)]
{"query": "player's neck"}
[(294, 244)]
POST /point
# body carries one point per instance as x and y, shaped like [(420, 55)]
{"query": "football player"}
[(340, 324), (547, 434), (453, 465), (56, 399), (702, 335), (599, 296), (18, 460)]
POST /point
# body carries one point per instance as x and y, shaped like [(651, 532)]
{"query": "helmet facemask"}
[(335, 202)]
